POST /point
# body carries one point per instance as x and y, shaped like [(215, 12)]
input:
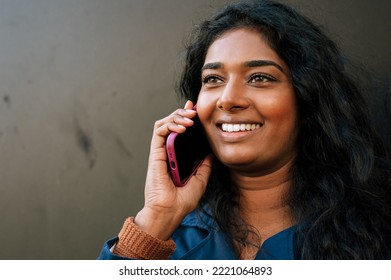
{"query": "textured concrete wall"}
[(81, 84)]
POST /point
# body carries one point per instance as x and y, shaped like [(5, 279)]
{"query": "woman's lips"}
[(233, 132), (236, 127)]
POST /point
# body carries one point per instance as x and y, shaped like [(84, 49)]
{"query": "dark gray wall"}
[(81, 84)]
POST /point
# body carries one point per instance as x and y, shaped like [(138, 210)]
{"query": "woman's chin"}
[(235, 161)]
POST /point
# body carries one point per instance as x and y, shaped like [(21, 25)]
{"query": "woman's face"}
[(247, 104)]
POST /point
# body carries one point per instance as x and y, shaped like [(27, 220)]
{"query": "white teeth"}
[(229, 127)]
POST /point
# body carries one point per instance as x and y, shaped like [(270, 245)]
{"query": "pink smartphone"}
[(186, 151)]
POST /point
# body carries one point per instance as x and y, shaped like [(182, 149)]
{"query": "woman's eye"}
[(211, 80), (260, 78)]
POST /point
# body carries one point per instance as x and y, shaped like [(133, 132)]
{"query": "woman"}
[(297, 170)]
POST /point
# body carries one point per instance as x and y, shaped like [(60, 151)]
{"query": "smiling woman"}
[(297, 171), (250, 86)]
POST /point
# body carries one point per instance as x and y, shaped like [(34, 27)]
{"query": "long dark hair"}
[(341, 186)]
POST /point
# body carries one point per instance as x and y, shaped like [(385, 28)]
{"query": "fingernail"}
[(187, 103)]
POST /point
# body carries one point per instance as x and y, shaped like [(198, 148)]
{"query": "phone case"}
[(173, 165), (196, 148), (172, 161)]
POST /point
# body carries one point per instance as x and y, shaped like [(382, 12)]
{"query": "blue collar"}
[(278, 246), (216, 245)]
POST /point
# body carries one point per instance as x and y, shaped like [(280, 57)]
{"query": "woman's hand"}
[(165, 204)]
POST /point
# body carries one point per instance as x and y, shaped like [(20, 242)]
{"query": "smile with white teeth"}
[(230, 127)]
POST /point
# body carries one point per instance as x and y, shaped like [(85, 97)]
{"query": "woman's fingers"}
[(204, 170), (176, 122), (189, 105), (196, 187)]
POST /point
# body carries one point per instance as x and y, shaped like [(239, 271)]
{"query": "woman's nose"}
[(233, 97)]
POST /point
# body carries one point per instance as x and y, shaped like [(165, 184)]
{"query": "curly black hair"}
[(341, 179)]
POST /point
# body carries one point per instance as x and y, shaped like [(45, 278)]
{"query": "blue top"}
[(198, 238)]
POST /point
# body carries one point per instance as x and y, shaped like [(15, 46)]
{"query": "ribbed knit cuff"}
[(137, 244)]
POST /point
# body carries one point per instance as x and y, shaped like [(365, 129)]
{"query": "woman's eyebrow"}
[(258, 63), (212, 65), (251, 63)]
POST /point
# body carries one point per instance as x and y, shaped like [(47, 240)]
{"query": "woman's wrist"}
[(158, 224)]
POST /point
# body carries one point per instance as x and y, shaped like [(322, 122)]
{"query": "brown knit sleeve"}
[(137, 244)]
